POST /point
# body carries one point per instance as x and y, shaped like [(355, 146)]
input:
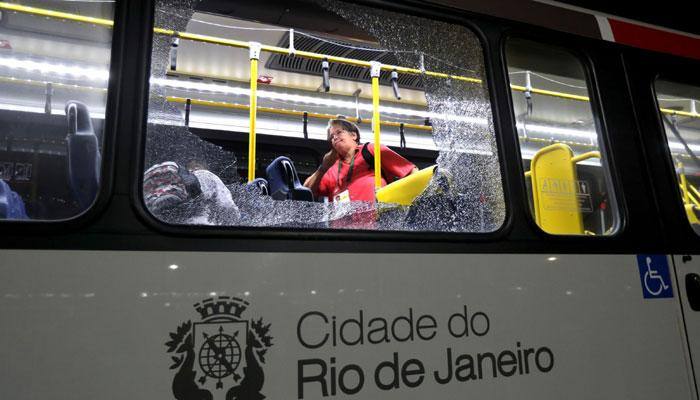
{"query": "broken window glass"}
[(405, 92)]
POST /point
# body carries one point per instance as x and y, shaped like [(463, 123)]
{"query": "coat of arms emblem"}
[(221, 356)]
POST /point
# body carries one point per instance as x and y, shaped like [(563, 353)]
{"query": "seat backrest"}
[(83, 152), (284, 182), (11, 204), (258, 186), (554, 190), (404, 191), (4, 199)]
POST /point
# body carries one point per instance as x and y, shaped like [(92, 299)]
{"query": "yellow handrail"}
[(690, 193), (681, 113), (683, 184), (695, 195), (56, 14), (585, 156), (551, 93), (692, 200)]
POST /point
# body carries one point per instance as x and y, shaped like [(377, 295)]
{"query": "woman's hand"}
[(314, 180), (329, 159)]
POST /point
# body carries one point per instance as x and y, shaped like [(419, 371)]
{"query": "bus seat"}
[(258, 186), (83, 154), (405, 190), (554, 190), (284, 182), (11, 204)]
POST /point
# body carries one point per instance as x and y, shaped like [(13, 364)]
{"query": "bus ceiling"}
[(296, 14)]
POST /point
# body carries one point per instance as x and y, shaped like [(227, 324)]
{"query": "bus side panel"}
[(137, 325), (688, 270)]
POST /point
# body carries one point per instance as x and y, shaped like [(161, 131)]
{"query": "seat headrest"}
[(79, 122)]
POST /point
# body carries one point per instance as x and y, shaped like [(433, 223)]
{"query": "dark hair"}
[(345, 125)]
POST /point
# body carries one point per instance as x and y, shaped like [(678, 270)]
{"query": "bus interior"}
[(312, 66)]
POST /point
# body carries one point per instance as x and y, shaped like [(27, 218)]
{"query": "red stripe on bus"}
[(655, 39)]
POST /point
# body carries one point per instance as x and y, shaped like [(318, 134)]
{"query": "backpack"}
[(167, 184), (369, 159)]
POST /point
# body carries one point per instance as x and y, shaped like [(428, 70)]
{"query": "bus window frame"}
[(125, 225), (118, 52), (578, 48), (433, 13), (646, 68)]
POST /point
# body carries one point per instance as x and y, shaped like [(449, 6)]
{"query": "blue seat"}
[(11, 204), (83, 151), (258, 186), (284, 182)]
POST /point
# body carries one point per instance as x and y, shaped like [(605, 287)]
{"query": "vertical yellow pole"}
[(375, 70), (254, 57)]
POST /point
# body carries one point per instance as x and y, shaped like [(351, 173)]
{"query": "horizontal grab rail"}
[(281, 111)]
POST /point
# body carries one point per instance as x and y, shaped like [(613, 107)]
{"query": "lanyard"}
[(348, 177)]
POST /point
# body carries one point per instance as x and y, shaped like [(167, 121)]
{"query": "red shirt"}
[(361, 182)]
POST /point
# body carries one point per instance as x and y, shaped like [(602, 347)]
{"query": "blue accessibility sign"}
[(655, 276)]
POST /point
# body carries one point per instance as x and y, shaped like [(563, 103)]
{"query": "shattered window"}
[(567, 175), (320, 115), (678, 105), (54, 70)]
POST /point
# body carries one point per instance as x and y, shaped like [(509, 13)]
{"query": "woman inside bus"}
[(346, 174)]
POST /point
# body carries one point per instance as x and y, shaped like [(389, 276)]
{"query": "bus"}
[(318, 199)]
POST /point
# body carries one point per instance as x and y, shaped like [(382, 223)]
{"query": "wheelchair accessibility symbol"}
[(655, 276)]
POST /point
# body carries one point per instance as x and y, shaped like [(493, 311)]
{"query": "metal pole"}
[(375, 70), (254, 58)]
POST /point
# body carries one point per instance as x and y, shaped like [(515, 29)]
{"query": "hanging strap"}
[(348, 177), (305, 120), (188, 108), (369, 159), (678, 136)]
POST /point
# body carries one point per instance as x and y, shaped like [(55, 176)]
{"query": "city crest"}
[(220, 356)]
